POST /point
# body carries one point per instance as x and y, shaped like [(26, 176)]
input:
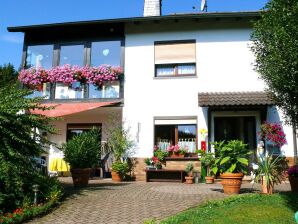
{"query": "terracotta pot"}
[(266, 189), (231, 182), (80, 177), (116, 177), (189, 179), (209, 180), (294, 183)]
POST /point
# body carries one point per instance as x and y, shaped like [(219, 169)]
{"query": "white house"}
[(182, 73)]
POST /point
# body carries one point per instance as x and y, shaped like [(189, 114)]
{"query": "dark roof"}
[(202, 15), (234, 99)]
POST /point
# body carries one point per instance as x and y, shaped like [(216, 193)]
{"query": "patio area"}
[(132, 202)]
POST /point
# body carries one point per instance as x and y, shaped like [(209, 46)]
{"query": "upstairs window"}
[(39, 56), (175, 58), (72, 54), (105, 52)]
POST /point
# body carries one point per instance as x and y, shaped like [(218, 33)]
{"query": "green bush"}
[(83, 151), (231, 157)]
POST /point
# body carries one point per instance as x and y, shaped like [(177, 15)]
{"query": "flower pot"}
[(189, 179), (116, 177), (266, 189), (231, 182), (209, 180), (294, 183), (80, 177)]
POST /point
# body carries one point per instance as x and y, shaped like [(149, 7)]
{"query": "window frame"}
[(175, 65), (87, 42)]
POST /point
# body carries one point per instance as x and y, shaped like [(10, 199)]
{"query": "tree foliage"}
[(18, 144), (7, 75), (275, 45)]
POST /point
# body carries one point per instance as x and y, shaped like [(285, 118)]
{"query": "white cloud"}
[(12, 38)]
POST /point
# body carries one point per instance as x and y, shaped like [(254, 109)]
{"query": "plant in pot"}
[(207, 159), (159, 157), (82, 153), (149, 163), (231, 162), (293, 178), (120, 144), (189, 178), (270, 171)]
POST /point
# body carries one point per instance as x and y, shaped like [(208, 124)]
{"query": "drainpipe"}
[(295, 143)]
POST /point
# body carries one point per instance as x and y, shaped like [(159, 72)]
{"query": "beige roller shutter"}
[(172, 53)]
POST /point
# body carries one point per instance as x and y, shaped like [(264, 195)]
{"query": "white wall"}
[(224, 63)]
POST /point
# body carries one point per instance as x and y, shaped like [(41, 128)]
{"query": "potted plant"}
[(232, 163), (293, 178), (189, 178), (159, 157), (119, 170), (207, 159), (149, 163), (82, 153), (120, 144), (270, 171)]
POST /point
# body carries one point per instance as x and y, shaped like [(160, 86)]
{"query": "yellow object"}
[(58, 164)]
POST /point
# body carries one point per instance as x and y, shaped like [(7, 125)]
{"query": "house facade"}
[(182, 73)]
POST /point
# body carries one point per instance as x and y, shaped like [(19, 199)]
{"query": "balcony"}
[(74, 83)]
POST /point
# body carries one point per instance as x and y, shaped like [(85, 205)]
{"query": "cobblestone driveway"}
[(133, 202)]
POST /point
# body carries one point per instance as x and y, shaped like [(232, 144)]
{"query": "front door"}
[(236, 128)]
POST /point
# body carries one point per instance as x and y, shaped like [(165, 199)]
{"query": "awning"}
[(64, 109), (233, 99)]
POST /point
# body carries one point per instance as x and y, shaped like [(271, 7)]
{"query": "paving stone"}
[(132, 202)]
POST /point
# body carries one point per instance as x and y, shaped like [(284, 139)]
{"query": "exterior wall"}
[(224, 63)]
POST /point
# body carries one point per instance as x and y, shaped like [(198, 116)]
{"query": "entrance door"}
[(233, 128)]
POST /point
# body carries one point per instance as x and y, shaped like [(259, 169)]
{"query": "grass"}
[(247, 208)]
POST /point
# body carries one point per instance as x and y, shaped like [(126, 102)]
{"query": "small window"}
[(39, 56), (175, 58), (73, 91), (179, 132)]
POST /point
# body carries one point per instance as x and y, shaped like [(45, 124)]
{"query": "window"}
[(175, 58), (78, 129), (105, 52), (74, 91), (72, 54), (42, 91), (39, 56), (109, 89), (172, 132)]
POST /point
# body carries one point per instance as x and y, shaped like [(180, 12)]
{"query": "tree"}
[(275, 45), (19, 144), (7, 75)]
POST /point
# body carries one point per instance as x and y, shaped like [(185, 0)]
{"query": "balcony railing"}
[(60, 91)]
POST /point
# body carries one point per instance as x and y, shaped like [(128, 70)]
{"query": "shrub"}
[(83, 151)]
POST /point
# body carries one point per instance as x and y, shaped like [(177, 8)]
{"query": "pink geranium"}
[(273, 132)]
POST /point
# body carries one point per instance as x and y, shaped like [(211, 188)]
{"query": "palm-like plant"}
[(271, 170)]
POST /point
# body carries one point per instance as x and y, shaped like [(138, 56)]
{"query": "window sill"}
[(181, 159), (176, 77)]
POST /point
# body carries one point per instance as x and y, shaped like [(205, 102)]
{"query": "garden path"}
[(131, 202)]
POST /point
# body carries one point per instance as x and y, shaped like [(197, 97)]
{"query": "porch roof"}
[(209, 99), (64, 109)]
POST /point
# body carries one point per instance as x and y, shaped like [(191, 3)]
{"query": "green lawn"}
[(246, 209)]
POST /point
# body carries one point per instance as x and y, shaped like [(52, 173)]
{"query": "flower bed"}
[(68, 74)]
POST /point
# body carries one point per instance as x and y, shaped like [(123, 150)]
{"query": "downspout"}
[(295, 143)]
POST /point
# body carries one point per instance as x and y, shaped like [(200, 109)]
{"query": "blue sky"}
[(29, 12)]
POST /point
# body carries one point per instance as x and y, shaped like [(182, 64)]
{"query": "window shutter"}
[(172, 53)]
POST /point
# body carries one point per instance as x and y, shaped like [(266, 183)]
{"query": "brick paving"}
[(132, 202)]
